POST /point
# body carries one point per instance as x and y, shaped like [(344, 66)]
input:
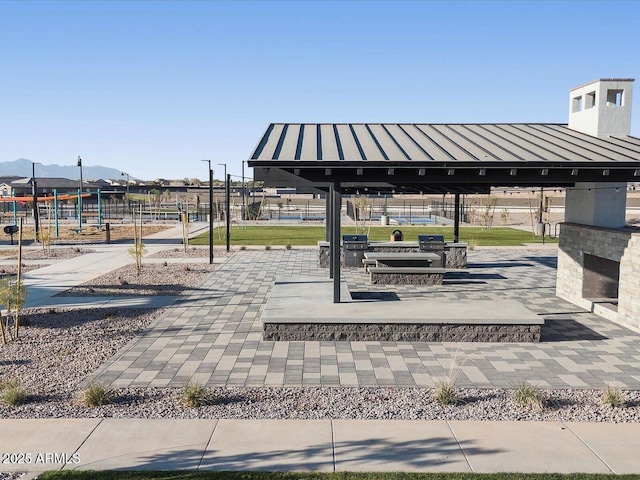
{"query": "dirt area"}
[(89, 234)]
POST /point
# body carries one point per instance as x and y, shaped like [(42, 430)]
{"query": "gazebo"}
[(593, 157)]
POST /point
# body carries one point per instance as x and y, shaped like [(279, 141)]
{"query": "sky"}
[(153, 87)]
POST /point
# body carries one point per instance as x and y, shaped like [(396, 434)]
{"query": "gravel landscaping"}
[(38, 253), (59, 348)]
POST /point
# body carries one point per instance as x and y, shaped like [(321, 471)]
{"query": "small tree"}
[(138, 250), (280, 205), (12, 296), (505, 215), (489, 211)]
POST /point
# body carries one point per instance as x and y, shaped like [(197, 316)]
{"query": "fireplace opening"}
[(600, 279)]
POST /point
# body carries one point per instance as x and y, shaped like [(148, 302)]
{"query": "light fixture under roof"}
[(327, 171), (296, 171), (605, 172), (574, 172), (482, 172), (451, 171), (391, 171), (422, 171), (545, 172), (360, 171), (513, 172)]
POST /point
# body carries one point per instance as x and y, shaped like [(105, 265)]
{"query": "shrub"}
[(529, 396), (194, 395), (267, 247), (613, 397), (95, 395), (445, 393), (12, 393), (243, 247), (288, 246)]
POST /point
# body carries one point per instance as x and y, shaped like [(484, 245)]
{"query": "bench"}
[(404, 259), (407, 275)]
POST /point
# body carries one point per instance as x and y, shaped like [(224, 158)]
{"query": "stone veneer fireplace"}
[(598, 266)]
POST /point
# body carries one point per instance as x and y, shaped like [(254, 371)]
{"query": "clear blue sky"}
[(153, 87)]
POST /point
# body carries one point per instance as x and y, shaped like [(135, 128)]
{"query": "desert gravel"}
[(60, 348)]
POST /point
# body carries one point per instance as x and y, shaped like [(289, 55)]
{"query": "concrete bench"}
[(407, 275)]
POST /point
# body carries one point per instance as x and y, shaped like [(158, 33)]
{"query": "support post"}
[(456, 219), (337, 201), (210, 214), (55, 212), (329, 227), (99, 208), (327, 216), (227, 210)]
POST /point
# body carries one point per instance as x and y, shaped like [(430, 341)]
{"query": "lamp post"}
[(210, 211), (243, 205), (127, 188), (34, 192), (226, 210), (80, 195)]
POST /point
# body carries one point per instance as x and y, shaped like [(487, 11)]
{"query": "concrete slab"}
[(49, 443), (617, 444), (313, 295), (396, 445), (146, 444), (272, 445), (526, 447)]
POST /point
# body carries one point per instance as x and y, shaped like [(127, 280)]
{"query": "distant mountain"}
[(23, 168)]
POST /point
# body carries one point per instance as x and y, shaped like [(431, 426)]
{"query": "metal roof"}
[(409, 144), (439, 158)]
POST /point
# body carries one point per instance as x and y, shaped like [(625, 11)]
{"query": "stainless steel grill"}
[(354, 247), (434, 244)]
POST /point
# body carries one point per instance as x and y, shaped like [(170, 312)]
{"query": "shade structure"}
[(439, 158)]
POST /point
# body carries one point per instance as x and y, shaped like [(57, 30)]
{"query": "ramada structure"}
[(593, 157)]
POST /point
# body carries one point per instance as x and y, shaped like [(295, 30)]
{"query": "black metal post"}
[(34, 191), (329, 227), (337, 201), (210, 214), (228, 209), (456, 219)]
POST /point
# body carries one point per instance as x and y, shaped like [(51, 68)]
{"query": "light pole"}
[(226, 186), (127, 189), (243, 206), (80, 195), (210, 211), (34, 192)]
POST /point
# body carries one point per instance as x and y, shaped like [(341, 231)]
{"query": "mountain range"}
[(23, 168)]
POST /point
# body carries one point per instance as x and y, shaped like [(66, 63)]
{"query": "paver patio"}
[(214, 335)]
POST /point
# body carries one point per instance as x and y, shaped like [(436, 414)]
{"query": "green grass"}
[(311, 234), (141, 475)]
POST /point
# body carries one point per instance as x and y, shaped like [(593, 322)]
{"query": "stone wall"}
[(629, 290), (456, 253), (619, 245), (359, 332)]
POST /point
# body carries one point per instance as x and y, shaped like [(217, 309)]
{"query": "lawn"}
[(75, 475), (309, 235)]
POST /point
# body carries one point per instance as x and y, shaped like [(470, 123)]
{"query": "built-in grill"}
[(354, 247), (433, 244)]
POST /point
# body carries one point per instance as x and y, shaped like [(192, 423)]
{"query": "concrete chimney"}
[(602, 107)]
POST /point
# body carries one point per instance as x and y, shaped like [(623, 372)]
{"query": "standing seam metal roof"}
[(395, 143)]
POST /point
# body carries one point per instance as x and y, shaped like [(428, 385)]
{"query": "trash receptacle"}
[(396, 236), (107, 229)]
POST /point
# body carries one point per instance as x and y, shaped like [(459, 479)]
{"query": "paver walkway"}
[(214, 334)]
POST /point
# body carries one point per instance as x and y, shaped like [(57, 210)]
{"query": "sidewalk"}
[(323, 445), (45, 283), (328, 445)]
